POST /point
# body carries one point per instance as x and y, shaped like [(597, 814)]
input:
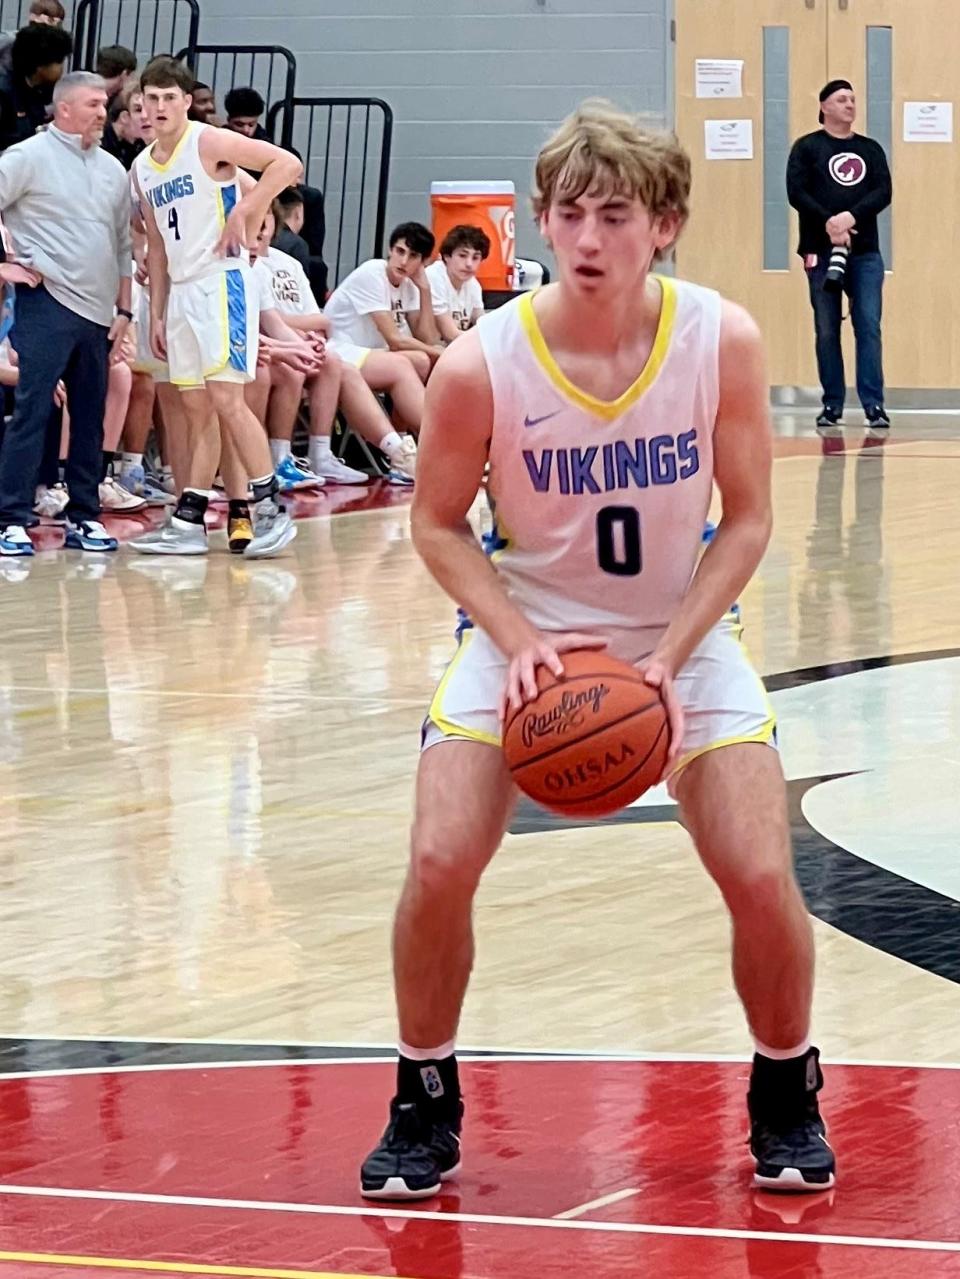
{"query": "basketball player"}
[(202, 301), (608, 405)]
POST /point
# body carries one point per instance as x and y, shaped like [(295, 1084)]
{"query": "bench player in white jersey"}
[(607, 405), (202, 301)]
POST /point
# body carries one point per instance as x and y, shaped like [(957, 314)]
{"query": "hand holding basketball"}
[(657, 675), (521, 686)]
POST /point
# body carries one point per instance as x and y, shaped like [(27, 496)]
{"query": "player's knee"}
[(420, 362), (442, 863), (758, 890)]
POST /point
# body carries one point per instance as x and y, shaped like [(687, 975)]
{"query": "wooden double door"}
[(894, 52)]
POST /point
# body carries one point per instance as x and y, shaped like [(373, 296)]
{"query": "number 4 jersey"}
[(189, 206), (599, 506)]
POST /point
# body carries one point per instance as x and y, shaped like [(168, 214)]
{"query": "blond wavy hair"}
[(601, 151)]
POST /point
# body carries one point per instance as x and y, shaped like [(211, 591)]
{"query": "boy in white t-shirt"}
[(383, 321), (457, 295), (336, 383)]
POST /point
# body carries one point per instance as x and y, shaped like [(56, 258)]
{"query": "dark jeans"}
[(54, 343), (863, 285)]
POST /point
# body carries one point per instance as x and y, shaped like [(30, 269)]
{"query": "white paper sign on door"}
[(719, 77), (729, 139), (928, 122)]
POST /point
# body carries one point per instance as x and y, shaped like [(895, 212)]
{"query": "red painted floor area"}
[(277, 1148)]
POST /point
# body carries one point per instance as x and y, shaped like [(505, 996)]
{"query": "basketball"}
[(593, 741)]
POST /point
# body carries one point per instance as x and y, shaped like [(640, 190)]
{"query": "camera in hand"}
[(836, 268)]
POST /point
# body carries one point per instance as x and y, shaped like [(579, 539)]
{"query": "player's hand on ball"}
[(657, 675), (521, 684)]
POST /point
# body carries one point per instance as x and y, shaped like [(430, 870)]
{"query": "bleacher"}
[(344, 143)]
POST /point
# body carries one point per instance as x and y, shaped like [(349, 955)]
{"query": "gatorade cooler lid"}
[(472, 188)]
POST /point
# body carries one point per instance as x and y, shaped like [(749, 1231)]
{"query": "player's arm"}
[(316, 322), (397, 341), (449, 330), (743, 460), (423, 323), (453, 450), (278, 170), (157, 274)]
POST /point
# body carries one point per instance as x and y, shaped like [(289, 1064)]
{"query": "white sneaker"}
[(273, 529), (51, 502), (403, 462), (117, 500), (334, 471), (176, 537)]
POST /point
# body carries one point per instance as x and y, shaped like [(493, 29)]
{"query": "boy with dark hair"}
[(123, 136), (47, 13), (243, 108), (26, 89), (385, 305), (456, 291), (288, 211), (203, 108), (116, 64)]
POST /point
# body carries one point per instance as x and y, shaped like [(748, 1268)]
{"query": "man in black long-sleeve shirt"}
[(839, 182)]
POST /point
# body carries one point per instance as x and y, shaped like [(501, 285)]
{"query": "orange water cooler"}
[(489, 205)]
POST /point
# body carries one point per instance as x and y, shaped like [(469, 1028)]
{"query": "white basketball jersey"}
[(599, 506), (189, 206)]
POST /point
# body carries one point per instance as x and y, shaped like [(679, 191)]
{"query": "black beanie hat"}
[(834, 86)]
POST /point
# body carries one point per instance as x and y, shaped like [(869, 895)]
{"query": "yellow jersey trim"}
[(162, 168), (606, 409), (449, 727)]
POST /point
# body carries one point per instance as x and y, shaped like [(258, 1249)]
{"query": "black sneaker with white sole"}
[(877, 419), (415, 1154), (788, 1138), (829, 421)]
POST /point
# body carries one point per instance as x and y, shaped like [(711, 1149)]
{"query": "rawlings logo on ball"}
[(567, 714)]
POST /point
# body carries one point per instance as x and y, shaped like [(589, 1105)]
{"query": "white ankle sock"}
[(427, 1054), (279, 449), (320, 446), (782, 1054), (128, 460), (390, 444)]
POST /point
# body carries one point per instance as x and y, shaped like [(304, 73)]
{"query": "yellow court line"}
[(170, 1267)]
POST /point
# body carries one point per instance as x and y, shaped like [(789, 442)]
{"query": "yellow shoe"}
[(239, 533)]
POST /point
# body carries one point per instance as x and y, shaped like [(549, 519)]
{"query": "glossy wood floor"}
[(206, 770)]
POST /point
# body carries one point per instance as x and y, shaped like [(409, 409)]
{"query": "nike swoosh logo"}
[(535, 421)]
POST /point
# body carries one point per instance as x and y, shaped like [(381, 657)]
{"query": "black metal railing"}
[(270, 69), (345, 145), (145, 26)]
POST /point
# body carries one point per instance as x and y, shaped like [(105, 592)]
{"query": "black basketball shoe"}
[(829, 422), (416, 1153), (878, 423), (788, 1138)]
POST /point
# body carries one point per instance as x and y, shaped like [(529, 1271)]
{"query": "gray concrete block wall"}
[(475, 85)]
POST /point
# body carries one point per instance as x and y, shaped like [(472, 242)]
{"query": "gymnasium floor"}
[(205, 781)]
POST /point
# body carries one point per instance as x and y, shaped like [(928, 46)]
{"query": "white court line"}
[(603, 1202), (480, 1219), (389, 1057)]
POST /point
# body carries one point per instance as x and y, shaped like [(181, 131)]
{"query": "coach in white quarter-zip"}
[(67, 208)]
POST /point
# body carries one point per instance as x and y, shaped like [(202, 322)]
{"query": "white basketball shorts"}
[(145, 361), (213, 329), (724, 701)]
